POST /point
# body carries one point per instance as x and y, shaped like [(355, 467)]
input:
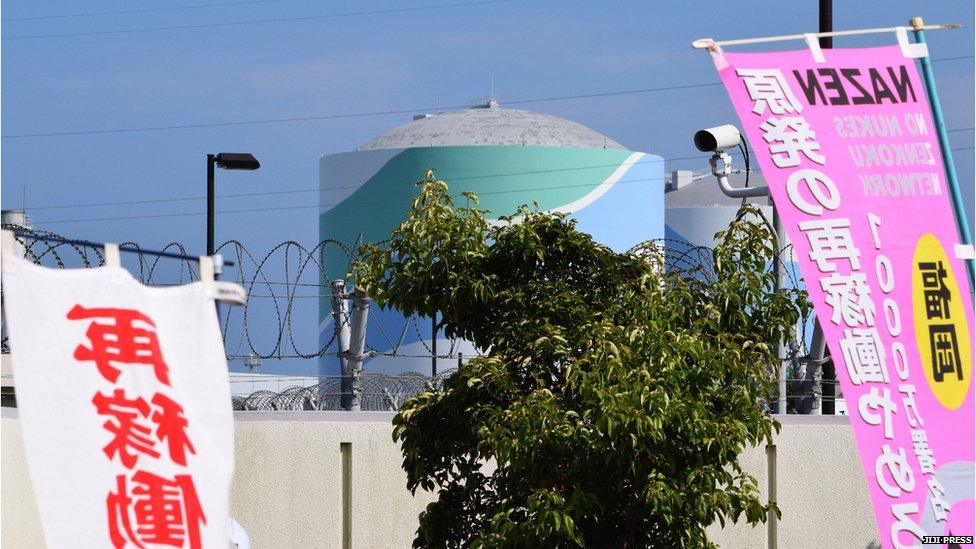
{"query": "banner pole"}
[(827, 380), (778, 272), (962, 221)]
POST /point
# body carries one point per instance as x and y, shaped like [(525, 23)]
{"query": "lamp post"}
[(227, 161)]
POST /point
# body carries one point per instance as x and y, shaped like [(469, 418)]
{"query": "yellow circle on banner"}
[(941, 329)]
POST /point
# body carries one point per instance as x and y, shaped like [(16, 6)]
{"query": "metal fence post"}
[(357, 346), (340, 317)]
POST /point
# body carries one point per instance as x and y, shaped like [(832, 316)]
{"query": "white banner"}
[(124, 405)]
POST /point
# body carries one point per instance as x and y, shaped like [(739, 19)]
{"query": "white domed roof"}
[(491, 125)]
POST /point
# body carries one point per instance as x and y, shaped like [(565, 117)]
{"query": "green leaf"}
[(613, 396)]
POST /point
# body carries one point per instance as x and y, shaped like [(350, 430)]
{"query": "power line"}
[(367, 114), (342, 116), (257, 21), (310, 206), (613, 93), (348, 187), (970, 56), (217, 124), (144, 10), (656, 159)]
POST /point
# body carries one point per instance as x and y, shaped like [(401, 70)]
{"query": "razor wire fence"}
[(380, 392), (283, 284), (288, 285)]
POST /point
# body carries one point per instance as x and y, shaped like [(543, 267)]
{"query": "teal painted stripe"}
[(504, 177)]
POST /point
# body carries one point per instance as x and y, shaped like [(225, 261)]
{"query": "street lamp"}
[(227, 161)]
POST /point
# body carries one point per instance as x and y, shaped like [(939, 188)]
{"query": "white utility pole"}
[(357, 345), (818, 352), (778, 272), (340, 317)]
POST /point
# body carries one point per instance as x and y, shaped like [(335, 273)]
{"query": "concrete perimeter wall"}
[(288, 484)]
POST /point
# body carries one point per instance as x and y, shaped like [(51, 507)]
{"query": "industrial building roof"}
[(489, 124), (704, 191)]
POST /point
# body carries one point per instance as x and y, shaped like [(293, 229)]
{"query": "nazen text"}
[(840, 86)]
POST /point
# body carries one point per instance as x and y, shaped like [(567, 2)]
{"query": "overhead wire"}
[(458, 196), (334, 116), (305, 207), (365, 114), (141, 10), (256, 21), (349, 187), (956, 58), (311, 206)]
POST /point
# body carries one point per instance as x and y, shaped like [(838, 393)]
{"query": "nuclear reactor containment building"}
[(508, 158)]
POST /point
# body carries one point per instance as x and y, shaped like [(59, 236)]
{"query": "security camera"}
[(716, 139)]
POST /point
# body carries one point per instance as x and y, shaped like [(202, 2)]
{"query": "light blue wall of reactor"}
[(629, 212)]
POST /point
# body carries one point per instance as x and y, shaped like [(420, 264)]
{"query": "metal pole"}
[(721, 164), (958, 206), (828, 376), (218, 267), (826, 23), (345, 450), (772, 533), (357, 345), (721, 168), (433, 346), (707, 43), (811, 403), (778, 272), (210, 204), (340, 319)]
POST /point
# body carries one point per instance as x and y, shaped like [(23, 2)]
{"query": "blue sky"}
[(364, 63)]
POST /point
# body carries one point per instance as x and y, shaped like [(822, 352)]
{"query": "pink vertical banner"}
[(846, 142)]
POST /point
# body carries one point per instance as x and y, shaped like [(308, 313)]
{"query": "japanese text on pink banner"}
[(847, 145)]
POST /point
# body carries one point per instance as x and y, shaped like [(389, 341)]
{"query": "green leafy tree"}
[(613, 400)]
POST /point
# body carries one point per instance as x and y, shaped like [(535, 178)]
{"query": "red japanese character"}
[(172, 427), (163, 511), (120, 342), (118, 505), (128, 431)]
